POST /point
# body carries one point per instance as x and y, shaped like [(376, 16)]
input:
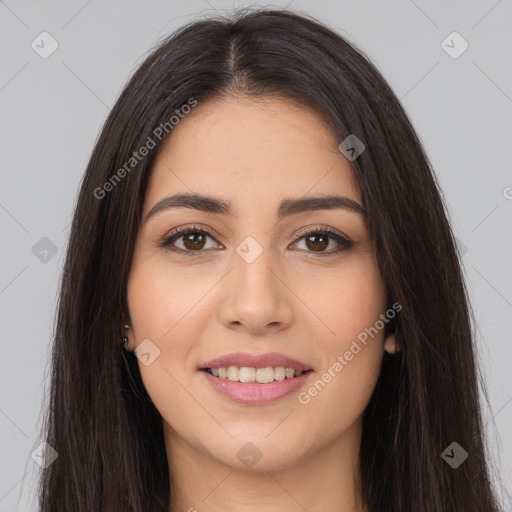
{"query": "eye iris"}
[(192, 239), (323, 244)]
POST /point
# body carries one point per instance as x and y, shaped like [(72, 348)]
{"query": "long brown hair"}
[(100, 419)]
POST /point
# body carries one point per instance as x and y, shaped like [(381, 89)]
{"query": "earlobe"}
[(390, 344), (126, 339)]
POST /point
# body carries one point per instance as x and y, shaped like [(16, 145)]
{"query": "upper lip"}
[(241, 359)]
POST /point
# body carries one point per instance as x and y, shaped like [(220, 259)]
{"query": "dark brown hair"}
[(100, 419)]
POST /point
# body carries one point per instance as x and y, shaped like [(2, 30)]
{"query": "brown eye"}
[(188, 241), (317, 242), (194, 241)]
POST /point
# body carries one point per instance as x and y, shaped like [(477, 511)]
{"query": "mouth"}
[(253, 392), (262, 375), (260, 368), (255, 379)]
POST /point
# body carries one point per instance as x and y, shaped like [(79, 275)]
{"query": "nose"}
[(256, 296)]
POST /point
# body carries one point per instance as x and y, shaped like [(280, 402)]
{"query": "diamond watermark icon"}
[(147, 352), (454, 45), (352, 147), (461, 247), (249, 250), (44, 45), (44, 250), (454, 455), (249, 454), (44, 455)]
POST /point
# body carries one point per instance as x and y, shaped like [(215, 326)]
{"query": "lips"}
[(256, 394), (242, 359)]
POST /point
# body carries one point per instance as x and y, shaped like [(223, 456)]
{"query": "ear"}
[(128, 332), (390, 344)]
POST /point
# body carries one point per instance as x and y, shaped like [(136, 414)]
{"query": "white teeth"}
[(233, 373), (261, 375), (265, 375), (279, 373), (247, 374)]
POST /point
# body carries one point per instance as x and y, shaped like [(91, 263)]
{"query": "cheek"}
[(349, 303), (344, 302), (335, 401), (164, 309), (163, 302), (158, 305)]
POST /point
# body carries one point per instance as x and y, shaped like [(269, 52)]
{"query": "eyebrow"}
[(289, 206)]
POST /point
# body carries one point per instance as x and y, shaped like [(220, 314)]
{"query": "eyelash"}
[(344, 243)]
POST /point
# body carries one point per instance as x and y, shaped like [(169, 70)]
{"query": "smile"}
[(264, 375)]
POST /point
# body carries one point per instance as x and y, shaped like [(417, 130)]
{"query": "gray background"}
[(52, 109)]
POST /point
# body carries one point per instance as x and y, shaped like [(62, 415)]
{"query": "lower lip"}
[(254, 393)]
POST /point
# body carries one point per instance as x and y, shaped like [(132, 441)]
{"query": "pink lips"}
[(255, 361), (254, 393)]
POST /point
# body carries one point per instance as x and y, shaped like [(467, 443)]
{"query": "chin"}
[(256, 455)]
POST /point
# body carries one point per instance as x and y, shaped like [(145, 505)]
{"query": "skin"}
[(289, 300)]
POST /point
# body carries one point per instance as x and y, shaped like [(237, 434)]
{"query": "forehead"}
[(251, 151)]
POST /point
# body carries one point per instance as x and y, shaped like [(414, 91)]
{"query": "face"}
[(263, 286)]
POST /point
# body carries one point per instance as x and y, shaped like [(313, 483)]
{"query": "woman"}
[(261, 229)]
